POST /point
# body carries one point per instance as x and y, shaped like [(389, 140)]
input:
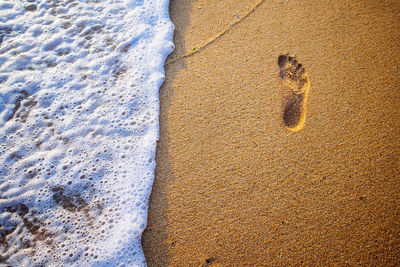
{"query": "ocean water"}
[(79, 108)]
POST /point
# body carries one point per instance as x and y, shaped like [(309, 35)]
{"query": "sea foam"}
[(79, 108)]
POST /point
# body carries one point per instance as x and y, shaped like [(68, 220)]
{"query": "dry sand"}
[(233, 186)]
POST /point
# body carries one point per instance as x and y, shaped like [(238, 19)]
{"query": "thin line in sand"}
[(216, 37)]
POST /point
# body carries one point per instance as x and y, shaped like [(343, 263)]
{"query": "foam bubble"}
[(79, 110)]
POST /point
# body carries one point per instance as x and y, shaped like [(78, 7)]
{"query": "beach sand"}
[(233, 185)]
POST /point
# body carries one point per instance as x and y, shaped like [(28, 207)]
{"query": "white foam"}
[(79, 107)]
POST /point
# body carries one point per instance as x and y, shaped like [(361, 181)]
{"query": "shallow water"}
[(79, 110)]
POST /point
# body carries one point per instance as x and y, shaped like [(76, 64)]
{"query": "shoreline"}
[(233, 186)]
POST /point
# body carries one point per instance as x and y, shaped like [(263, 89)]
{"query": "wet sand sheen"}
[(233, 186)]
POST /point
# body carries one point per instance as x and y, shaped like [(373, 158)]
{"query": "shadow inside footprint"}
[(292, 111)]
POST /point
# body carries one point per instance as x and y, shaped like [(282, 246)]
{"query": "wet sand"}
[(233, 185)]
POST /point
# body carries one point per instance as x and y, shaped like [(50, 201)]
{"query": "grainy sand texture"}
[(234, 184)]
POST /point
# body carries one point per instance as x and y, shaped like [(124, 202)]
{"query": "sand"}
[(233, 185)]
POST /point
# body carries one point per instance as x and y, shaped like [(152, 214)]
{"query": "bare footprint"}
[(297, 82)]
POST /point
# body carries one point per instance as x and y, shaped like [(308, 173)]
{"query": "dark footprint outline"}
[(297, 81)]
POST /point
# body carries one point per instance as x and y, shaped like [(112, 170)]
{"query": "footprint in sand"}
[(297, 82)]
